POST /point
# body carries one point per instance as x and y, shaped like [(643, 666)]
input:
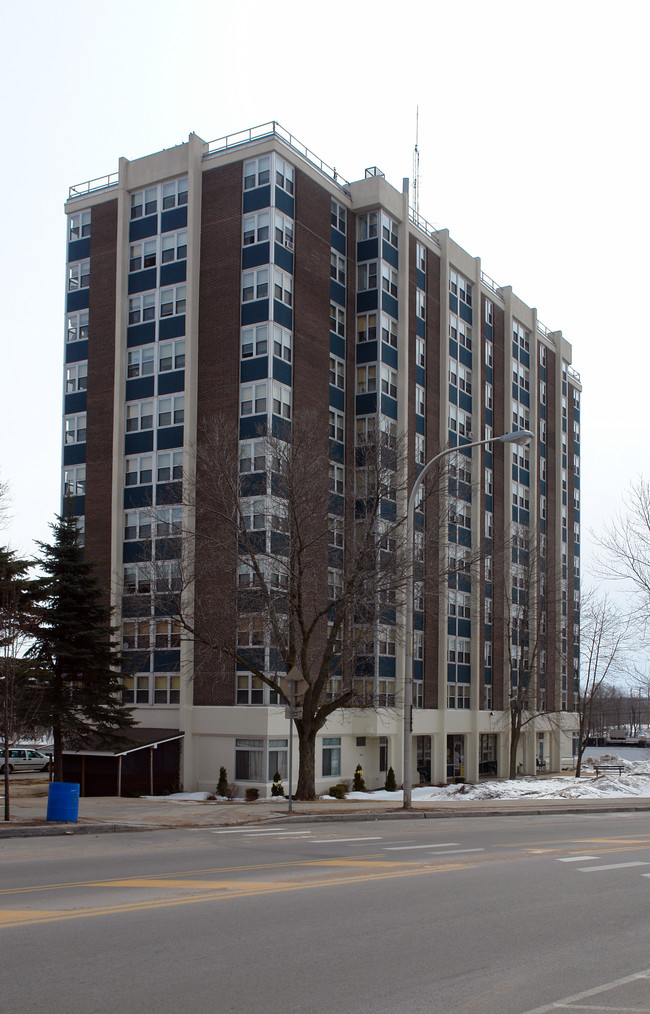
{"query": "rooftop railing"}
[(101, 183), (274, 129), (421, 223)]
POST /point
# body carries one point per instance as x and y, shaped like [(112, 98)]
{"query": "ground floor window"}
[(249, 759), (383, 753), (455, 756), (423, 754), (331, 755), (278, 749)]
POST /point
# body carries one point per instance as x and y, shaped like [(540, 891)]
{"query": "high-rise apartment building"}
[(245, 277)]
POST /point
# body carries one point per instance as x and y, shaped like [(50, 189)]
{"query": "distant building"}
[(248, 274)]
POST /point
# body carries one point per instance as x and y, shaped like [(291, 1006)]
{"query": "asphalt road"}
[(489, 916)]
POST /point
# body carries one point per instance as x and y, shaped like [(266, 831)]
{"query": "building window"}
[(144, 202), (252, 456), (419, 449), (253, 399), (79, 226), (419, 399), (366, 379), (174, 193), (283, 175), (421, 257), (78, 275), (389, 330), (460, 332), (249, 760), (254, 341), (136, 634), (255, 284), (76, 378), (389, 280), (169, 521), (338, 216), (337, 267), (172, 301), (388, 381), (336, 425), (75, 429), (282, 400), (137, 579), (334, 584), (139, 416), (337, 320), (171, 411), (367, 327), (257, 227), (335, 531), (142, 307), (489, 353), (282, 286), (77, 326), (171, 355), (420, 304), (520, 336), (170, 466), (367, 276), (137, 525), (388, 229), (337, 373), (420, 353), (461, 287), (74, 480), (173, 247), (331, 756), (143, 255), (367, 225), (489, 313), (336, 478), (140, 362), (257, 172)]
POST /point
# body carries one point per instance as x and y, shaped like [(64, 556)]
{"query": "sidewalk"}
[(100, 814)]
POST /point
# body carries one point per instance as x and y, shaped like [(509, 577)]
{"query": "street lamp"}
[(515, 437)]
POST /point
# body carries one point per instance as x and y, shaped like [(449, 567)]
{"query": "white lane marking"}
[(605, 987), (455, 852), (262, 834), (576, 859), (431, 845), (327, 841), (611, 866), (246, 830)]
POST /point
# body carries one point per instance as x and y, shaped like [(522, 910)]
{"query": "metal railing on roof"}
[(421, 223), (101, 183), (274, 129), (573, 373), (490, 283)]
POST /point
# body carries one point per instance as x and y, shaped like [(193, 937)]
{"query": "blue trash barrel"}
[(63, 802)]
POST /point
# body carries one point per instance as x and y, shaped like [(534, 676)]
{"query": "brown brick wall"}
[(435, 682), (502, 512), (553, 539), (101, 381)]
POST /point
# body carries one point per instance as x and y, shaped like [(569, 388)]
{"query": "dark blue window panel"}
[(337, 292), (280, 428), (337, 345), (564, 499), (175, 218), (514, 473), (419, 424), (138, 443), (515, 350), (488, 331), (390, 254), (390, 305), (258, 198), (138, 496), (452, 532), (74, 454), (542, 487), (386, 666), (173, 274), (576, 481), (524, 358), (171, 327), (489, 416), (464, 583), (282, 371), (388, 510), (488, 457), (489, 372), (453, 394), (170, 436), (367, 300), (77, 300), (253, 484), (524, 397), (542, 449), (465, 401), (171, 382), (453, 348), (451, 626), (140, 228), (169, 492), (367, 352), (255, 311), (453, 303), (417, 669), (337, 398), (524, 517), (337, 240), (141, 387), (487, 677), (515, 391), (134, 552), (488, 502), (542, 372), (524, 477), (141, 281), (465, 313), (368, 249), (279, 544), (258, 253), (451, 672), (141, 334), (252, 426), (389, 355), (366, 404), (79, 249), (464, 674), (254, 369), (515, 514), (336, 451), (167, 661), (420, 327), (282, 314), (464, 356), (283, 258), (75, 402), (464, 628), (464, 537), (420, 376), (76, 352), (420, 279), (254, 657), (284, 202), (168, 549), (576, 414), (335, 504)]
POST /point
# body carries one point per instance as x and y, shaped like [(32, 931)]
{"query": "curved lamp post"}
[(515, 437)]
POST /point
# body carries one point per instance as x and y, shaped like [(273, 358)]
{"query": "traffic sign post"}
[(294, 686)]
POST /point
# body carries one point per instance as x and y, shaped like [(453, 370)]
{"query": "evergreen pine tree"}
[(277, 789), (75, 650), (359, 784), (390, 784), (222, 784)]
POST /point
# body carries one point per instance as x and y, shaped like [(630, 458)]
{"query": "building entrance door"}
[(424, 759), (455, 757)]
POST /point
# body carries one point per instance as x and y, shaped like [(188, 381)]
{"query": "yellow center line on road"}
[(12, 918)]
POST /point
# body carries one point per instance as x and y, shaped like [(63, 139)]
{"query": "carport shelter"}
[(132, 763)]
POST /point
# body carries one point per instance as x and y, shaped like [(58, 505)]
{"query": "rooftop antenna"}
[(416, 168)]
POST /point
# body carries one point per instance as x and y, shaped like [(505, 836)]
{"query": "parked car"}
[(24, 758)]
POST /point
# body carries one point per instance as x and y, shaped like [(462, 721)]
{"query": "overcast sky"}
[(533, 153)]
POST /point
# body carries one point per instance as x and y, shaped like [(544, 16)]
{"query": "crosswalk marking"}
[(328, 841), (576, 859), (454, 852), (610, 866), (430, 845)]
